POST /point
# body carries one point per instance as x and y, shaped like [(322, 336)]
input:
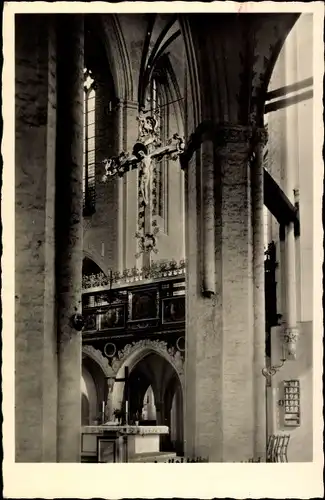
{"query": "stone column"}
[(260, 440), (291, 330), (121, 193), (219, 372), (131, 186), (290, 172), (179, 420), (70, 33), (282, 288), (235, 317), (208, 218), (35, 334)]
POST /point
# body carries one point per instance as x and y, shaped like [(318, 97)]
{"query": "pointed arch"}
[(133, 353), (118, 57), (99, 359), (91, 256), (274, 52), (193, 74)]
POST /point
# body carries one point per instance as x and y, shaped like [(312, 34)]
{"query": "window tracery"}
[(89, 143)]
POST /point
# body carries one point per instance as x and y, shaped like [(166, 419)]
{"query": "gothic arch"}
[(164, 73), (265, 36), (91, 255), (118, 57), (277, 37), (133, 353), (194, 83), (99, 359)]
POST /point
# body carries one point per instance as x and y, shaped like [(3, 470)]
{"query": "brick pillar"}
[(219, 388), (69, 230), (35, 336)]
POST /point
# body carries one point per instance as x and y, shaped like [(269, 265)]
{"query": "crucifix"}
[(147, 150)]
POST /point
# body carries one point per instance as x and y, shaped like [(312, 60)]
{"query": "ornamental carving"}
[(95, 280), (140, 430), (173, 355), (149, 128), (123, 429), (157, 270), (290, 339), (147, 243), (96, 355)]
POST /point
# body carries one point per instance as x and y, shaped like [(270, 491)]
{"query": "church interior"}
[(164, 237)]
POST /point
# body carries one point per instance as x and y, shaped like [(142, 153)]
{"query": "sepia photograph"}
[(164, 237)]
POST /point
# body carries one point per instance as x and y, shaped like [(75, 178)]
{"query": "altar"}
[(111, 443)]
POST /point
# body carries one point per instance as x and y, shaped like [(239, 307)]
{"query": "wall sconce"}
[(77, 322)]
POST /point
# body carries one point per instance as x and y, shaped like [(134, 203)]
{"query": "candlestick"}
[(126, 412)]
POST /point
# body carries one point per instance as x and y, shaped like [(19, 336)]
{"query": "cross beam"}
[(147, 150), (124, 162)]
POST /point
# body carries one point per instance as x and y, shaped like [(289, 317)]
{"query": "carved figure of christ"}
[(146, 158), (146, 164), (143, 155)]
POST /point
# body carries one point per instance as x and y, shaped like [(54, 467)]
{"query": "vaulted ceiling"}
[(134, 45)]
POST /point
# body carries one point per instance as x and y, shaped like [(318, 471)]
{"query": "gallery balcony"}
[(135, 304)]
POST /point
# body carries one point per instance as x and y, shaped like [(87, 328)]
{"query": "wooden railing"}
[(158, 305)]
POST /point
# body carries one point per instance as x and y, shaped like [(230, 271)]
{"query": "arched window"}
[(89, 188)]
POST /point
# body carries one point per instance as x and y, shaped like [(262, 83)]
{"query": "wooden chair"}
[(271, 446), (277, 448)]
